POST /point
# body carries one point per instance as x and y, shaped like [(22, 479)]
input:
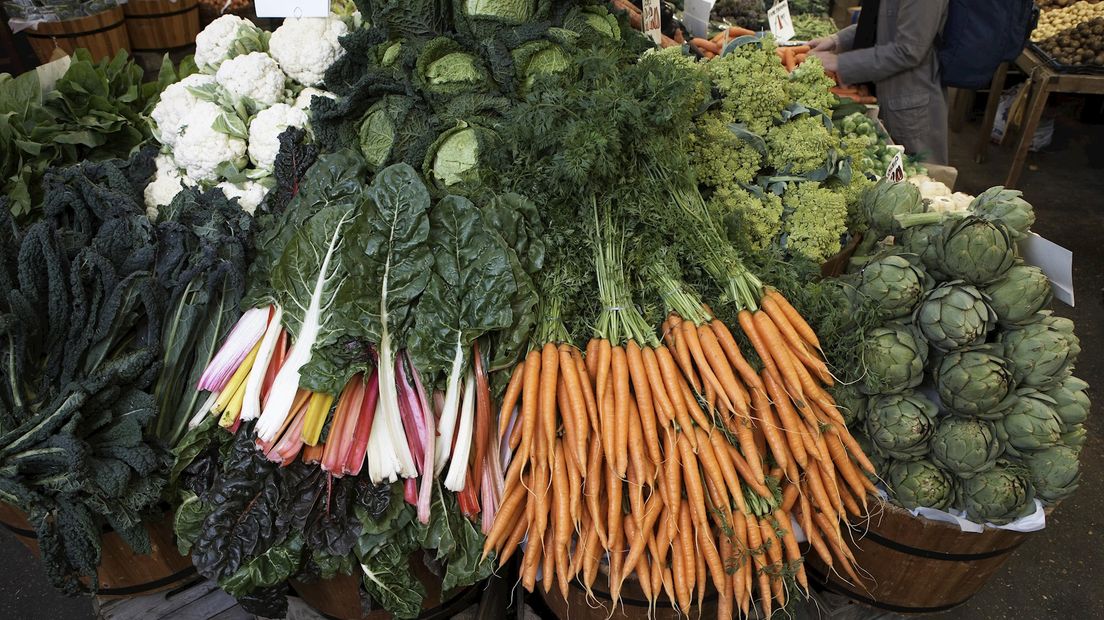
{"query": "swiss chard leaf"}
[(458, 542), (390, 582), (273, 567)]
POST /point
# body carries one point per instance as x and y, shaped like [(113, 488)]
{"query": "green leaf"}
[(188, 520), (458, 542), (231, 125), (273, 567), (390, 582)]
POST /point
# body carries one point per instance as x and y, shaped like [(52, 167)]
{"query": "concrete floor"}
[(1059, 571)]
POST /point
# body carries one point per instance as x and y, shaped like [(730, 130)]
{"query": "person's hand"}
[(830, 60), (823, 44)]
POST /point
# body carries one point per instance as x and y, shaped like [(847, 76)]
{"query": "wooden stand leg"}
[(995, 90), (1039, 96)]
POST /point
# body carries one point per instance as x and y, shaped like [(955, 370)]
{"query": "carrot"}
[(621, 399), (593, 489), (692, 482), (686, 541), (780, 354), (850, 506), (790, 421), (615, 518), (680, 574), (835, 544), (575, 473), (793, 316), (513, 541), (587, 388), (639, 543), (714, 474), (725, 593), (510, 399), (662, 403), (757, 484), (531, 563), (747, 324), (665, 332), (529, 400), (682, 353), (722, 368), (671, 380), (697, 414), (693, 343), (567, 418), (845, 467), (550, 366), (819, 492), (706, 45), (771, 430), (735, 357), (645, 405), (789, 497), (673, 477), (720, 447), (789, 332), (637, 453), (806, 507), (507, 512), (817, 543)]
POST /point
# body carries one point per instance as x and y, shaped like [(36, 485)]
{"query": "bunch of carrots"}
[(671, 461), (709, 48), (793, 55)]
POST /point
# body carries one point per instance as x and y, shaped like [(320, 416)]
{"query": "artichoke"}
[(919, 484), (975, 250), (924, 241), (885, 200), (900, 425), (975, 381), (1020, 295), (965, 446), (1071, 403), (1042, 353), (998, 496), (1055, 472), (893, 283), (954, 315), (1030, 423), (850, 402), (894, 358), (1007, 207), (1075, 437)]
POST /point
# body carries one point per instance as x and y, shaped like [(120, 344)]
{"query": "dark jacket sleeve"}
[(917, 25)]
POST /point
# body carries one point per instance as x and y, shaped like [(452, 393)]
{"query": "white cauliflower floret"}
[(225, 38), (175, 103), (166, 184), (200, 150), (249, 194), (255, 76), (303, 101), (265, 130), (306, 47)]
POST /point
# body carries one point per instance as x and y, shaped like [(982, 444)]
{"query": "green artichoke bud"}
[(893, 283), (954, 315), (975, 381), (924, 241), (919, 484), (1075, 437), (998, 496), (1007, 207), (1020, 295), (1042, 353), (1071, 403), (1030, 423), (975, 250), (894, 357), (1055, 472), (850, 402), (900, 425), (885, 200), (965, 446)]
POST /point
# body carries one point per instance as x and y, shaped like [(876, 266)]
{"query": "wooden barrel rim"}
[(831, 586), (873, 536), (194, 7), (74, 35), (148, 586)]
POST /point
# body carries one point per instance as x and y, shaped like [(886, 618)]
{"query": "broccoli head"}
[(752, 84), (810, 86), (817, 219), (800, 145)]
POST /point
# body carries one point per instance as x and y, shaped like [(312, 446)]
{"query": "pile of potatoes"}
[(1054, 22), (1081, 45)]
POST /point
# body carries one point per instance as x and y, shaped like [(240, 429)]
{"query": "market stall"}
[(381, 304)]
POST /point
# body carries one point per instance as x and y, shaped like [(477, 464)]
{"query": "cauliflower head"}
[(303, 100), (752, 83), (166, 184), (306, 47), (800, 145), (721, 158), (248, 194), (225, 38), (265, 130), (817, 220), (748, 218), (200, 150), (810, 86), (254, 76), (175, 103)]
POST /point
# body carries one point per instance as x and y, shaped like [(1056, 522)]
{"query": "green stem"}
[(908, 220), (619, 320)]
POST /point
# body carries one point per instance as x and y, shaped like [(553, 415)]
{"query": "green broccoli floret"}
[(752, 83), (800, 145), (810, 86), (720, 158), (746, 217), (817, 219), (852, 196)]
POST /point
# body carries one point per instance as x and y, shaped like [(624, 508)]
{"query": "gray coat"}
[(905, 68)]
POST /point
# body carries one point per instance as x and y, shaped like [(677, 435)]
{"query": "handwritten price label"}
[(652, 21), (781, 25)]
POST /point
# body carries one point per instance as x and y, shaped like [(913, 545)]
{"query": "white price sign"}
[(896, 170), (696, 16), (1055, 261), (651, 20), (781, 25), (292, 8)]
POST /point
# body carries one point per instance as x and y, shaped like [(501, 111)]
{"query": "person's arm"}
[(845, 39), (918, 23)]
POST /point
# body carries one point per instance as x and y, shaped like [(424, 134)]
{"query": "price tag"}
[(781, 25), (1055, 261), (651, 20), (696, 16), (896, 170), (292, 8)]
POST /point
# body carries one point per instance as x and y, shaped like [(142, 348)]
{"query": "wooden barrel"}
[(102, 34), (917, 565), (338, 598), (632, 605), (122, 572), (836, 266), (161, 25)]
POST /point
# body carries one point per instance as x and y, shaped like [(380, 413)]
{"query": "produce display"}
[(1072, 34), (970, 402), (810, 26), (447, 288)]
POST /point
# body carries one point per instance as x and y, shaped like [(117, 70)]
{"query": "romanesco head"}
[(817, 220), (752, 83), (810, 86), (719, 157), (800, 145)]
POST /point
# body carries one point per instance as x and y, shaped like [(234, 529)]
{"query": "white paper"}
[(695, 15), (781, 25), (651, 20), (1055, 261), (292, 8), (1031, 523), (896, 170)]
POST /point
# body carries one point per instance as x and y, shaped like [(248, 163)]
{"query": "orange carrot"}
[(645, 406), (621, 399), (510, 399), (530, 400)]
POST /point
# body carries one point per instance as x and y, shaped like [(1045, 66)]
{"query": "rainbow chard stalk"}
[(251, 405), (425, 494), (354, 459), (243, 337)]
